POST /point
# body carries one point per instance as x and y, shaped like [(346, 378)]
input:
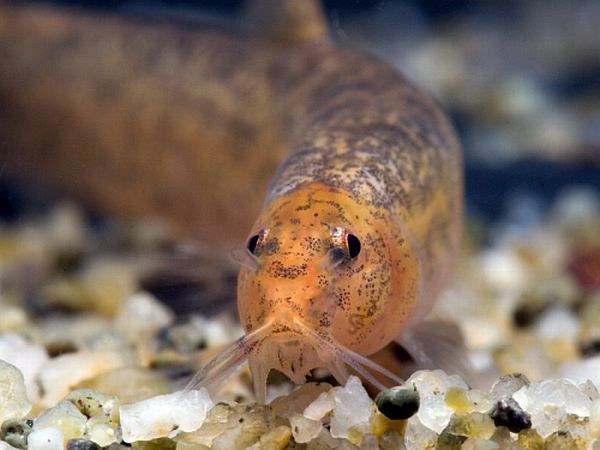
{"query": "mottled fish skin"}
[(370, 157)]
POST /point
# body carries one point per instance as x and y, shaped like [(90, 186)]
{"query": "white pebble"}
[(159, 416), (59, 374), (580, 371), (503, 270), (25, 356), (66, 417), (320, 407), (304, 429), (432, 386), (550, 401), (353, 408), (102, 434), (418, 436), (142, 314), (558, 323), (45, 439), (11, 317), (13, 396)]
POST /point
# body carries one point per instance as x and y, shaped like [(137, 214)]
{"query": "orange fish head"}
[(321, 279)]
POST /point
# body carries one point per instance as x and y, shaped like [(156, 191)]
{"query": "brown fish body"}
[(189, 124), (139, 117)]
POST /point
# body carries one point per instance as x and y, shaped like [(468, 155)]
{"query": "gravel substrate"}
[(90, 360)]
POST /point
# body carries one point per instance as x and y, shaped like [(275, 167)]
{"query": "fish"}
[(361, 222)]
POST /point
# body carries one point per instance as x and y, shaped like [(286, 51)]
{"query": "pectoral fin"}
[(439, 345)]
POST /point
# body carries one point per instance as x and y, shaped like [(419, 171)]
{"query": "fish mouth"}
[(293, 348)]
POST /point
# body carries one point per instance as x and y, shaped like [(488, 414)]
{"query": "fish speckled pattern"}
[(374, 158), (361, 222)]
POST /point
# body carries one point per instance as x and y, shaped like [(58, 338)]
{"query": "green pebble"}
[(398, 403)]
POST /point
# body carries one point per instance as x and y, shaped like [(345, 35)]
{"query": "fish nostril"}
[(336, 255)]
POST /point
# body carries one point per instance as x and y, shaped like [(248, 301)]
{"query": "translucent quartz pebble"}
[(141, 315), (475, 425), (45, 439), (589, 389), (479, 444), (64, 416), (582, 370), (530, 440), (353, 407), (320, 407), (275, 439), (13, 396), (418, 436), (297, 401), (102, 433), (228, 439), (564, 440), (92, 403), (158, 416), (549, 401), (25, 356), (432, 386), (391, 440), (507, 385), (304, 429)]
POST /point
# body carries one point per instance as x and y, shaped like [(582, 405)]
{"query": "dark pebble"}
[(590, 348), (507, 413), (398, 403), (15, 432), (82, 444)]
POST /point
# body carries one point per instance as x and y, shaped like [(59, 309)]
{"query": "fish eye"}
[(252, 243), (353, 245)]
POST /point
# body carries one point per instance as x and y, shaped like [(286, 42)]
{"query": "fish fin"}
[(287, 21), (438, 345)]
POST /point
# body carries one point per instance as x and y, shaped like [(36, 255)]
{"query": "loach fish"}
[(362, 220)]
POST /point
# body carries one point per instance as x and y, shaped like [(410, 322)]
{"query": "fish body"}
[(360, 227), (362, 219)]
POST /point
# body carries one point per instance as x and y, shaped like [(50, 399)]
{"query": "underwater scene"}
[(274, 224)]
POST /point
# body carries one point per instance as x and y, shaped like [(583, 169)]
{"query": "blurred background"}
[(521, 79)]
